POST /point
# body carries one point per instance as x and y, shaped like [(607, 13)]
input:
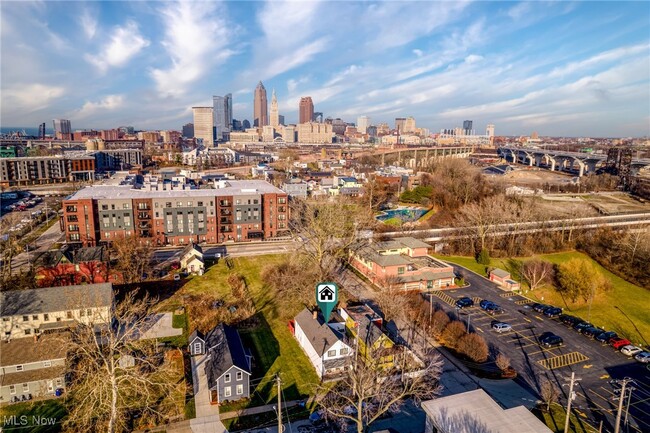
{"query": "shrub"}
[(453, 333), (483, 257), (502, 361), (474, 347), (439, 321)]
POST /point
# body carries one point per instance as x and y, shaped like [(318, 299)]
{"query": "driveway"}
[(160, 326), (207, 415)]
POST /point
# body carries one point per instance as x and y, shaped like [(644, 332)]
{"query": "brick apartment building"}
[(236, 211)]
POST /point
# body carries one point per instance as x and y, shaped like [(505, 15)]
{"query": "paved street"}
[(595, 363), (44, 243)]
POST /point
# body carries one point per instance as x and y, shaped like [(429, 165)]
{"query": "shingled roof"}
[(318, 333), (51, 299), (226, 350)]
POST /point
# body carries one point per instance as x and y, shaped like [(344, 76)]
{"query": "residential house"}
[(345, 186), (26, 313), (228, 366), (364, 329), (196, 344), (192, 259), (475, 411), (32, 369), (503, 279), (402, 263), (72, 266), (295, 188), (323, 344)]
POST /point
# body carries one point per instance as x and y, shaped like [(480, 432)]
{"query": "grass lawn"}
[(556, 418), (274, 348), (49, 413), (631, 319)]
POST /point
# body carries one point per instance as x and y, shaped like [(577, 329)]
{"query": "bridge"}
[(447, 234), (578, 162), (418, 156)]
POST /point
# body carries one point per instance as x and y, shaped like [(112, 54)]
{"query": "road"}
[(43, 243), (594, 363), (231, 250)]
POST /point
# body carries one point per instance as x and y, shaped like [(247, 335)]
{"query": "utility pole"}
[(279, 382), (621, 398), (569, 400)]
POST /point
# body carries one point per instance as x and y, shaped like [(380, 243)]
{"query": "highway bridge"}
[(417, 156), (578, 162)]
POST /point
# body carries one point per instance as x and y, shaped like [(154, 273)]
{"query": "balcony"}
[(143, 206), (282, 209), (144, 216), (225, 229), (71, 208), (73, 218), (225, 221), (225, 212), (224, 203), (144, 225)]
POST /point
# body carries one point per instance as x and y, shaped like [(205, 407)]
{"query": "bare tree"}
[(480, 220), (393, 305), (115, 373), (548, 392), (536, 272), (375, 194), (365, 393), (453, 333), (133, 258), (439, 321)]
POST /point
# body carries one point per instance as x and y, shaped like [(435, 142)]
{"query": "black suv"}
[(568, 319), (552, 312), (548, 339), (464, 302), (540, 308), (606, 336), (592, 332), (581, 326)]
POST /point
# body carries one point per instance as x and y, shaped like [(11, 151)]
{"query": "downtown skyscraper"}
[(222, 111), (274, 115), (260, 107), (306, 110)]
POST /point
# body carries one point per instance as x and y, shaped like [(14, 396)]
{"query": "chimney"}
[(315, 314)]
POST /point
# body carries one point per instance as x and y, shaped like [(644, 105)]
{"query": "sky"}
[(555, 67)]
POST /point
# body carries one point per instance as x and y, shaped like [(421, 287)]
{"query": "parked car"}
[(464, 302), (548, 339), (552, 312), (643, 357), (581, 326), (568, 319), (606, 336), (592, 332), (494, 309), (501, 327), (540, 307), (484, 303), (630, 350), (618, 342)]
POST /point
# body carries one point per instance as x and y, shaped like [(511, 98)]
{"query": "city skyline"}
[(572, 69)]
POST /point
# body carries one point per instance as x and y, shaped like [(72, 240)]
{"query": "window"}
[(168, 204), (199, 204), (179, 204), (240, 375), (35, 317), (50, 386), (47, 363), (227, 378), (82, 313), (68, 314), (12, 389), (89, 312), (5, 319), (331, 353), (343, 351), (189, 204), (400, 270), (157, 205), (226, 392), (240, 389), (46, 317), (197, 347), (19, 368), (25, 318), (28, 331), (104, 207), (25, 387), (59, 382), (125, 206)]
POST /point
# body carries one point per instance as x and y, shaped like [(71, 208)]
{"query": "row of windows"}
[(25, 386), (227, 391), (343, 351), (46, 317), (45, 364), (227, 376)]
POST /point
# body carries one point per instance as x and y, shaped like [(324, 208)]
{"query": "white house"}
[(322, 343), (192, 259)]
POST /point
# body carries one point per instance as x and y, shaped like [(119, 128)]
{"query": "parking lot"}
[(596, 364)]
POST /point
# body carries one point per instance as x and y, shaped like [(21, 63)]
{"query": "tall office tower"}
[(188, 130), (204, 125), (467, 127), (306, 109), (222, 109), (490, 131), (281, 119), (260, 110), (399, 123), (362, 124), (245, 124), (62, 129), (317, 117), (409, 125), (274, 116), (41, 131)]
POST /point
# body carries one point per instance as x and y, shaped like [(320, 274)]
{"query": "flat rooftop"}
[(233, 187)]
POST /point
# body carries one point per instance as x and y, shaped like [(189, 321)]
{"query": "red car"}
[(619, 342)]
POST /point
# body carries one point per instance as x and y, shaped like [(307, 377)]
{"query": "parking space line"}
[(538, 318), (445, 297), (524, 302), (564, 360)]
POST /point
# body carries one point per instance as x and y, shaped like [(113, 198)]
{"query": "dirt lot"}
[(535, 176), (592, 204)]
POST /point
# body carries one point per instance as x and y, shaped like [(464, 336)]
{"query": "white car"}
[(643, 357), (630, 350)]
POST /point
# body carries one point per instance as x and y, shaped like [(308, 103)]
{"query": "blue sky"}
[(559, 68)]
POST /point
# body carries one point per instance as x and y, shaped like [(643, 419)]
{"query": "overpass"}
[(579, 162), (568, 224), (418, 156)]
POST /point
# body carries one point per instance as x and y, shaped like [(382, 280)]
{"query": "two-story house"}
[(402, 263), (364, 329), (25, 313), (324, 344), (32, 369), (192, 259)]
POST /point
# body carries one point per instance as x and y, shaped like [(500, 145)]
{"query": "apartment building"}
[(45, 169), (234, 211)]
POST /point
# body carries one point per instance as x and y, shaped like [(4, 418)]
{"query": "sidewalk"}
[(207, 415), (257, 409)]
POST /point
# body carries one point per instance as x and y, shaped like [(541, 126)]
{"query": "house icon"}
[(326, 294)]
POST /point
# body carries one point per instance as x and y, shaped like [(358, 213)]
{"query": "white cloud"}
[(197, 37), (123, 45), (108, 103), (418, 53), (30, 97), (520, 10), (473, 58), (88, 23)]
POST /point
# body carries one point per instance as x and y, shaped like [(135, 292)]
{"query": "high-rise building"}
[(467, 126), (274, 115), (260, 109), (109, 134), (281, 119), (245, 124), (317, 117), (188, 130), (362, 124), (204, 125), (490, 131), (399, 123), (41, 131), (222, 109), (306, 110), (62, 129), (409, 125)]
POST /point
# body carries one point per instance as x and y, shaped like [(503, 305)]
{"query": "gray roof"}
[(191, 247), (426, 276), (26, 350), (474, 411), (412, 242), (500, 273), (318, 333), (50, 299), (226, 350)]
